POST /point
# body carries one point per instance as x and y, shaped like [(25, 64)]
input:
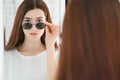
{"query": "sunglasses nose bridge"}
[(34, 27)]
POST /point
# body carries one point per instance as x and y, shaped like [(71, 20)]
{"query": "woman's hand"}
[(52, 33)]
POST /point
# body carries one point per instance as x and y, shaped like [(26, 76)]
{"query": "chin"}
[(35, 38)]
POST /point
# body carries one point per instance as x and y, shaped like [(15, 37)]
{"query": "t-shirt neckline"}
[(30, 57)]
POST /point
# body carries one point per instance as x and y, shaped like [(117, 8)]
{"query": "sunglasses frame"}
[(28, 25)]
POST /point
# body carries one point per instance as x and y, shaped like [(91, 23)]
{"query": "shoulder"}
[(9, 53), (57, 53)]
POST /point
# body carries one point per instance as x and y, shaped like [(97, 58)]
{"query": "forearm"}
[(52, 63)]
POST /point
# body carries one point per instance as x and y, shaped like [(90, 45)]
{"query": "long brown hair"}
[(17, 35), (91, 41)]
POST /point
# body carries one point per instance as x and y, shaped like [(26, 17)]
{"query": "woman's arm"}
[(52, 64), (52, 33)]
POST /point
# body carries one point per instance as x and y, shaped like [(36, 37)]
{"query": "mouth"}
[(33, 34)]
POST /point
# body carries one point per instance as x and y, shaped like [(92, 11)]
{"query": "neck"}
[(31, 46)]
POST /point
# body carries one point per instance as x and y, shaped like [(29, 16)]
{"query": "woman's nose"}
[(34, 27)]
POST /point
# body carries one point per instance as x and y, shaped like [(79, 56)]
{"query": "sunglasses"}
[(28, 26)]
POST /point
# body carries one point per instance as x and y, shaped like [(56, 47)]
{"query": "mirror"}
[(20, 65)]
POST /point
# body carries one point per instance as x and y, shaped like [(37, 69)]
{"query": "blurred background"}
[(1, 41)]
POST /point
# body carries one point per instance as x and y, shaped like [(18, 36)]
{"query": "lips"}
[(33, 33)]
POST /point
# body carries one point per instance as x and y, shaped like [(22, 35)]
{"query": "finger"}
[(52, 27), (48, 24), (48, 29)]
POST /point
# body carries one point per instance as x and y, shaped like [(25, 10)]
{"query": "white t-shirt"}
[(21, 67)]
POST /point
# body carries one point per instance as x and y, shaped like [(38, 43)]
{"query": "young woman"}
[(91, 41), (30, 52)]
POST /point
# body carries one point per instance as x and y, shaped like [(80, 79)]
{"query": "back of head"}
[(91, 41)]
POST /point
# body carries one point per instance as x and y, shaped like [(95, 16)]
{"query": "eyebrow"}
[(27, 18), (31, 18), (39, 17)]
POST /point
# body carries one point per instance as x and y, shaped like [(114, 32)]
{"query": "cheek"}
[(41, 32), (25, 32)]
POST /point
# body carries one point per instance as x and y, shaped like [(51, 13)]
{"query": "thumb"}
[(48, 30)]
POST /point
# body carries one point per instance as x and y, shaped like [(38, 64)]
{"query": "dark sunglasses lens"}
[(40, 25), (27, 26)]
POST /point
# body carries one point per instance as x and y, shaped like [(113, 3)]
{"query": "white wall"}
[(1, 42)]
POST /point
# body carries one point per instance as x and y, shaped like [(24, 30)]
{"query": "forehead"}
[(35, 13)]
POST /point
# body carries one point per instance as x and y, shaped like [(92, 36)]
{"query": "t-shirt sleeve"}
[(57, 54)]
